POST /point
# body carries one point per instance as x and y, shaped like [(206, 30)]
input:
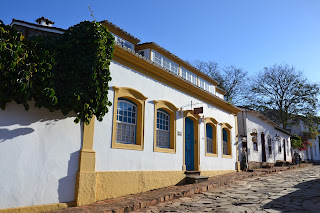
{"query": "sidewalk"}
[(150, 198)]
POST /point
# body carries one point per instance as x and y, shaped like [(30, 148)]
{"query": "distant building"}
[(312, 153), (263, 139), (44, 27)]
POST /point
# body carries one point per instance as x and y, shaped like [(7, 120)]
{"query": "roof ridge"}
[(120, 29)]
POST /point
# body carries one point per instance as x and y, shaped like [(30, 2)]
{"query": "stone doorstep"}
[(151, 198), (196, 179)]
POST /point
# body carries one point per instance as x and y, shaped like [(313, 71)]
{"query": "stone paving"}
[(288, 191)]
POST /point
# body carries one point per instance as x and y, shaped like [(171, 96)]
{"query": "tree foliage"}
[(68, 72), (231, 78), (281, 92)]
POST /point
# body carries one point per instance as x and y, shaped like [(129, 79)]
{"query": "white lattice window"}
[(123, 42), (165, 62), (203, 84), (189, 76), (126, 122), (163, 129)]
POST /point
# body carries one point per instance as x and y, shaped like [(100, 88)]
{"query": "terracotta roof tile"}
[(121, 30)]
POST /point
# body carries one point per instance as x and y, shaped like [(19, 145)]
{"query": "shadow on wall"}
[(66, 187), (6, 134), (305, 199), (15, 114)]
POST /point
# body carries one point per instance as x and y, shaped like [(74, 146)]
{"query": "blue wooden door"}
[(189, 144)]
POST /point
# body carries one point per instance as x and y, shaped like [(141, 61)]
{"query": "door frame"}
[(284, 150), (196, 129)]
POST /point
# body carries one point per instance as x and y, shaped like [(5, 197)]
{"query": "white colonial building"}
[(263, 139), (312, 153), (167, 117)]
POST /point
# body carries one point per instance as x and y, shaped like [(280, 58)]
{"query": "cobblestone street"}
[(289, 191)]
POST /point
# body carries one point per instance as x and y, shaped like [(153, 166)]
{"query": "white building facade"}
[(312, 153), (150, 137), (263, 139)]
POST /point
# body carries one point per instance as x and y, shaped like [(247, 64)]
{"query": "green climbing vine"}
[(68, 72)]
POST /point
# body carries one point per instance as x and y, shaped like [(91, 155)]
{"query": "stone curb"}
[(151, 198)]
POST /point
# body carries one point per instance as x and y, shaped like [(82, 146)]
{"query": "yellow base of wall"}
[(119, 183), (211, 173), (38, 208)]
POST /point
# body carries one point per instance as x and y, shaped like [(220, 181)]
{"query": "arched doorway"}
[(191, 141)]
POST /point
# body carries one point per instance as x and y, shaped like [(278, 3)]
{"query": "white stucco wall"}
[(261, 126), (110, 159), (39, 153), (313, 151)]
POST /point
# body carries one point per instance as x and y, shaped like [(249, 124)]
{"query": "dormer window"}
[(123, 42), (205, 85), (165, 62), (189, 76)]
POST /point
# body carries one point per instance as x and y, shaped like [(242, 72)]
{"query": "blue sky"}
[(248, 34)]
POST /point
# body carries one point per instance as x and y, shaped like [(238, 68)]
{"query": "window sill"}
[(211, 155), (164, 150), (127, 146), (227, 156)]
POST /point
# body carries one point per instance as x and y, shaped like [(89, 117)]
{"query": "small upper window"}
[(165, 62), (126, 121), (123, 42), (163, 129), (189, 76)]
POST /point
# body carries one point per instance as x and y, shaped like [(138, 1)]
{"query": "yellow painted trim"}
[(213, 122), (147, 68), (121, 34), (38, 208), (119, 183), (196, 119), (171, 110), (177, 60), (86, 176), (229, 142), (212, 173), (237, 142), (150, 53), (139, 99)]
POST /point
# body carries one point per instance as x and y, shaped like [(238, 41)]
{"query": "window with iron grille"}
[(269, 145), (209, 138), (126, 122), (225, 141), (163, 129), (279, 146)]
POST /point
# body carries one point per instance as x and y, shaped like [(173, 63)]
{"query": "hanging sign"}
[(197, 110)]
